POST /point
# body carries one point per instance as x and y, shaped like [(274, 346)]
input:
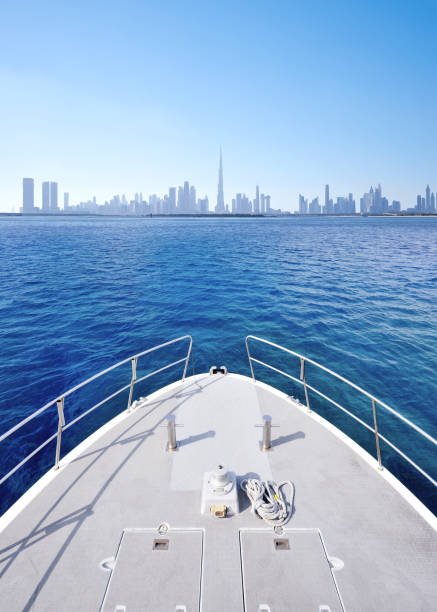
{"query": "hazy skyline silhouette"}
[(109, 98)]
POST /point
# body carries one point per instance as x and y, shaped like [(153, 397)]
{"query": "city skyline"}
[(183, 200), (186, 201), (419, 203), (331, 95)]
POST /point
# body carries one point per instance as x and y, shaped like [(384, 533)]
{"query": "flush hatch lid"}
[(156, 572), (287, 572)]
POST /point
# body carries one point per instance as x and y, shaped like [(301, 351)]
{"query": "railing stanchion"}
[(267, 433), (61, 423), (172, 444), (302, 377), (60, 400), (375, 423), (187, 359), (308, 387), (250, 359), (133, 380)]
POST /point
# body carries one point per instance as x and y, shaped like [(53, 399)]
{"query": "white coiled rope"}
[(269, 501)]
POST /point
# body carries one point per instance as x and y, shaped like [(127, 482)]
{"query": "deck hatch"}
[(144, 578), (299, 578)]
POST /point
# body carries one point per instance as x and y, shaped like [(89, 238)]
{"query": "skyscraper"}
[(428, 199), (192, 205), (328, 207), (303, 205), (180, 199), (203, 205), (66, 200), (186, 197), (46, 196), (256, 202), (172, 200), (377, 207), (50, 196), (220, 208), (314, 207), (28, 195), (53, 197)]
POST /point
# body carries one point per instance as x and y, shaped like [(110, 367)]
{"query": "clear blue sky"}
[(117, 97)]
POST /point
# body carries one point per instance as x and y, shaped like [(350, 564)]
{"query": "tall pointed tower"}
[(220, 207)]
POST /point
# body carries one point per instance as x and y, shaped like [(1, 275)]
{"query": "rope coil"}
[(269, 501)]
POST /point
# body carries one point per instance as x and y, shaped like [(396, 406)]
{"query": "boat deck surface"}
[(109, 501)]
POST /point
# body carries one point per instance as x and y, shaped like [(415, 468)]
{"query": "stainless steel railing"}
[(60, 400), (375, 402)]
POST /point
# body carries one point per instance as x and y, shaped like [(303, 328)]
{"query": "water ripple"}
[(356, 294)]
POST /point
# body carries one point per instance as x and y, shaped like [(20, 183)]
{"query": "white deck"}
[(50, 554)]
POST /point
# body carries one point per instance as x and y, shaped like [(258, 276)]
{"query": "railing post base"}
[(172, 444), (267, 433), (307, 387)]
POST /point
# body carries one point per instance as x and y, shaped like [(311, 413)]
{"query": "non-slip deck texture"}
[(50, 554)]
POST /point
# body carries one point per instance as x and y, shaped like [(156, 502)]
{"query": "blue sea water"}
[(356, 294)]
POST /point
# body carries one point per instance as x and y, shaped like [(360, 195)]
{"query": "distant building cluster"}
[(342, 206), (178, 201), (182, 200), (49, 197), (371, 203), (374, 203), (241, 205), (427, 203)]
